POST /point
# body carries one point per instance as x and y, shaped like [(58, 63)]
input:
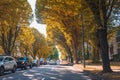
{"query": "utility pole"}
[(83, 49)]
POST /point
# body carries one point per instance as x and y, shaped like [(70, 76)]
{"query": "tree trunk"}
[(67, 48), (75, 43), (8, 53), (70, 56), (102, 35), (75, 54)]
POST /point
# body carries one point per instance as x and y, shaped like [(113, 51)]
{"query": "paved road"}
[(46, 72)]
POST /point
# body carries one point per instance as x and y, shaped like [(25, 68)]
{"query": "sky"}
[(41, 27)]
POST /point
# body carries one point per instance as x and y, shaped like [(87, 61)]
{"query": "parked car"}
[(52, 62), (24, 62), (35, 63), (7, 63), (63, 62), (58, 62), (43, 61)]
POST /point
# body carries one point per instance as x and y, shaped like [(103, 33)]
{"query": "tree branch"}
[(111, 7)]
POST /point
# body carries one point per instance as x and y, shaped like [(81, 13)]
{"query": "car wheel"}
[(14, 69), (22, 68), (1, 71), (30, 66), (25, 67)]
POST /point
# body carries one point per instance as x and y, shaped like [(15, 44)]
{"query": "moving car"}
[(24, 62), (7, 63)]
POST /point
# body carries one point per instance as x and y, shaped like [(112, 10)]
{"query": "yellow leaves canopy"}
[(26, 37)]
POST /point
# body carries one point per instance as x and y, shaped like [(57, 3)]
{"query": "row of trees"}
[(67, 20), (12, 15), (16, 38)]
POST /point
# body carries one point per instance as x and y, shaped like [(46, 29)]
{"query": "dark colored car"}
[(7, 63), (43, 61), (23, 63)]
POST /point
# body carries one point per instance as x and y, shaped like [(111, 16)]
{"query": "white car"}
[(7, 63), (52, 62)]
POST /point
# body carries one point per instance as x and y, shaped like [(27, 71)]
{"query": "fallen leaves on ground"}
[(97, 68)]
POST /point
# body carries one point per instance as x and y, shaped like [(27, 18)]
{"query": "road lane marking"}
[(43, 78)]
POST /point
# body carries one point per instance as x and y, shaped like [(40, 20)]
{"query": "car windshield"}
[(22, 58), (1, 58), (35, 61)]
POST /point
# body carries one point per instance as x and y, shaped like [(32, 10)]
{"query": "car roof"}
[(5, 56)]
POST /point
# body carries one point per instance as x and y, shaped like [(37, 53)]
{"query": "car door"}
[(11, 61), (6, 63)]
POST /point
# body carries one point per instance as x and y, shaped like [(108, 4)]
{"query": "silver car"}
[(7, 63), (52, 62)]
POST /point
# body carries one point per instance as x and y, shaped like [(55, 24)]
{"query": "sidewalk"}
[(94, 70)]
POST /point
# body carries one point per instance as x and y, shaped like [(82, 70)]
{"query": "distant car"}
[(7, 63), (43, 61), (24, 62), (64, 62), (58, 62), (35, 63), (52, 62)]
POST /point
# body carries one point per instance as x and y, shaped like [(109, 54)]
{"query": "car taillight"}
[(22, 62)]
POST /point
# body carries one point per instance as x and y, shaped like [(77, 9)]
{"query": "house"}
[(114, 47)]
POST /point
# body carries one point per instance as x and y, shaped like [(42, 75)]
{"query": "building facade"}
[(114, 47)]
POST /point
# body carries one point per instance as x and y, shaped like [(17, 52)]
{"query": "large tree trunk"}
[(70, 54), (75, 52), (74, 45), (99, 7), (8, 53), (102, 35)]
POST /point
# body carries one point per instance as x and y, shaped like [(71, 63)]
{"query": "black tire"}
[(14, 69), (30, 66), (1, 71), (25, 67), (21, 68)]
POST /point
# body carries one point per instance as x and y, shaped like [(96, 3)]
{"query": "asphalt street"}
[(46, 72)]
